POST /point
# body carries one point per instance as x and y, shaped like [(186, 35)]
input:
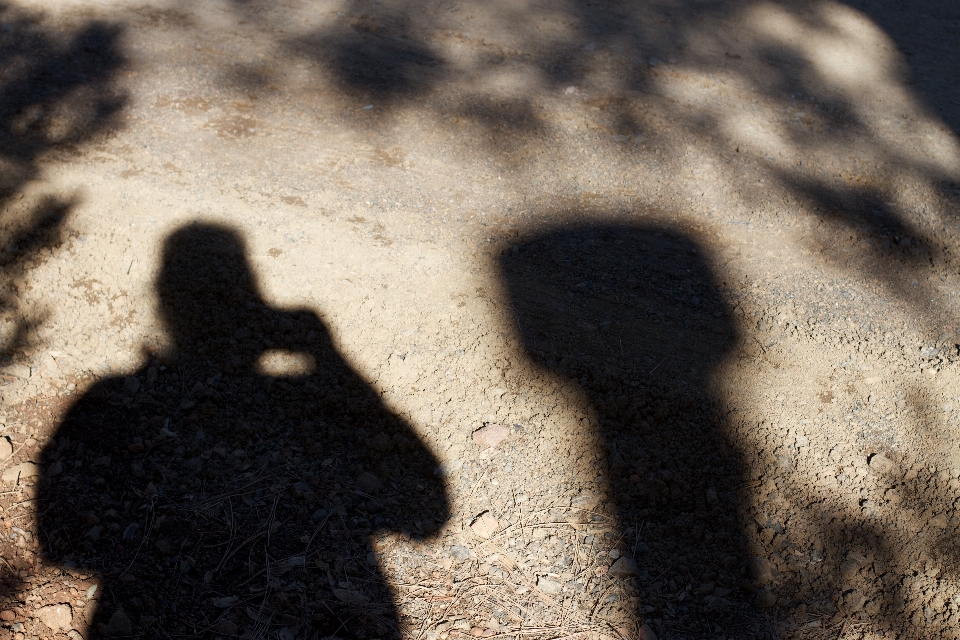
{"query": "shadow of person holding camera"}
[(239, 481)]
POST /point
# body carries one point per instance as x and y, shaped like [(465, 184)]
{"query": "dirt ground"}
[(585, 319)]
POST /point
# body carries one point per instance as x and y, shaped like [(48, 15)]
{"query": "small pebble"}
[(491, 435), (765, 599), (120, 624), (881, 464), (58, 617), (646, 633), (485, 525), (549, 586), (623, 567)]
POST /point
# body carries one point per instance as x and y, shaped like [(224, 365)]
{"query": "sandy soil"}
[(267, 268)]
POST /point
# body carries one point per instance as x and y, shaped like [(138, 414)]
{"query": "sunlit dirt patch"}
[(285, 363)]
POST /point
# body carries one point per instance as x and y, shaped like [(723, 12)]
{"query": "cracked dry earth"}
[(374, 319)]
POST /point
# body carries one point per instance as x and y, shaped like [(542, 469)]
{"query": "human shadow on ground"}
[(634, 315), (237, 482)]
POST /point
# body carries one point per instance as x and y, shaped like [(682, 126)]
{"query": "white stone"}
[(58, 617), (491, 435), (485, 525), (22, 470), (549, 586)]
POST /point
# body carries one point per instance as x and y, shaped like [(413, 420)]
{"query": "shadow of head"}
[(212, 308), (619, 305), (635, 315), (206, 289)]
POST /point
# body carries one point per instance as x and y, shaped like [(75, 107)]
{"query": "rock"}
[(801, 442), (90, 611), (7, 615), (447, 469), (120, 625), (350, 596), (854, 601), (459, 553), (20, 471), (881, 464), (19, 370), (939, 521), (549, 586), (623, 568), (646, 633), (6, 448), (58, 617), (491, 435), (131, 531), (585, 500), (55, 469), (131, 385), (226, 627), (849, 569), (485, 525), (224, 603), (765, 599), (760, 570), (369, 483), (711, 497), (614, 554), (302, 490), (380, 442)]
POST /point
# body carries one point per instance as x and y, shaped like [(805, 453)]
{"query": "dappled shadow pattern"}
[(676, 71), (237, 481), (633, 314), (56, 91), (374, 57), (926, 32)]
